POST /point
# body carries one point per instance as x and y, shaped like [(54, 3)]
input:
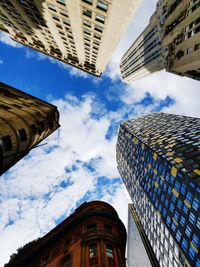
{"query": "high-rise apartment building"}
[(24, 122), (93, 236), (158, 157), (82, 33), (170, 41)]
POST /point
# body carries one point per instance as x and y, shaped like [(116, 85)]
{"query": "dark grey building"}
[(158, 157)]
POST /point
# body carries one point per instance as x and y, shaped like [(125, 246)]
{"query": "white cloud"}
[(5, 38), (1, 62)]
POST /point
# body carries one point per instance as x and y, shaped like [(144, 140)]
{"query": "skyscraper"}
[(25, 121), (158, 157), (82, 33), (93, 236), (170, 41)]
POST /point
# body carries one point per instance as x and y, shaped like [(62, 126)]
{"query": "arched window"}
[(66, 262), (109, 251), (93, 250)]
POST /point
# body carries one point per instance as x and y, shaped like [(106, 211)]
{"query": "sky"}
[(78, 163)]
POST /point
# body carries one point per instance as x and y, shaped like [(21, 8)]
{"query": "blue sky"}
[(78, 163)]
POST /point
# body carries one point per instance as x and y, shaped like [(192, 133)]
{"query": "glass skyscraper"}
[(158, 157)]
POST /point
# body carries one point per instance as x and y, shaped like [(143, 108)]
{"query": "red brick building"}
[(93, 236)]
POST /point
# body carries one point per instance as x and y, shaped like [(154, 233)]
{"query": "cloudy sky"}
[(78, 162)]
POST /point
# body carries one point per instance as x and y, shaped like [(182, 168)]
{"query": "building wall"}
[(158, 159), (82, 33), (93, 236), (24, 122)]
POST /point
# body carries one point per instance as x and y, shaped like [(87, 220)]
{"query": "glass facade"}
[(158, 158)]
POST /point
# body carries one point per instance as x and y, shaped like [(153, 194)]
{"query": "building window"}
[(66, 261), (189, 50), (98, 28), (109, 251), (87, 13), (22, 135), (107, 228), (6, 143), (100, 18), (52, 7), (45, 260), (87, 23), (91, 227), (196, 47), (103, 5), (88, 1), (93, 250)]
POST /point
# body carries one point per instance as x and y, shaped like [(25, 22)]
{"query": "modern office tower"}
[(82, 33), (158, 157), (93, 236), (25, 121), (170, 41)]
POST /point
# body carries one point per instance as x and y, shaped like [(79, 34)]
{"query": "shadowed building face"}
[(24, 122)]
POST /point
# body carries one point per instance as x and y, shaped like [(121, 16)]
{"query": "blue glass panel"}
[(197, 263), (195, 203), (195, 240), (188, 231), (189, 197), (183, 189), (179, 204), (192, 218), (182, 221), (192, 253), (184, 245), (185, 209), (198, 222), (178, 236), (177, 186)]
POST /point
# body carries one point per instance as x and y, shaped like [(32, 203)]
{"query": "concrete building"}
[(173, 45), (93, 236), (158, 157), (82, 33), (25, 121)]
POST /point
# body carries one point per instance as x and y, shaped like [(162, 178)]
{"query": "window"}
[(100, 18), (98, 28), (87, 13), (103, 5), (66, 261), (45, 260), (109, 251), (52, 7), (88, 1), (107, 228), (93, 250), (61, 2), (87, 23), (22, 135), (196, 47), (189, 50), (66, 21), (91, 227), (6, 143), (64, 12)]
